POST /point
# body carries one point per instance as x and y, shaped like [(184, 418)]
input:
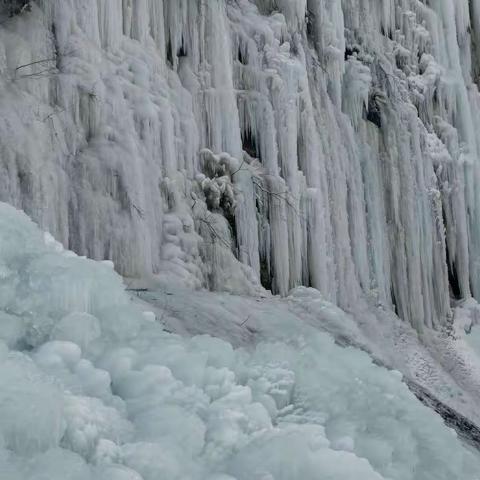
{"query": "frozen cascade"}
[(93, 388), (344, 134), (239, 145)]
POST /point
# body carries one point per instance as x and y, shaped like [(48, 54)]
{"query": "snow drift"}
[(91, 387)]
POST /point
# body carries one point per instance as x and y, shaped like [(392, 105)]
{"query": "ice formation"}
[(331, 144), (93, 388), (238, 145)]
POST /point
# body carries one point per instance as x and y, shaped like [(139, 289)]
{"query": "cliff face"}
[(326, 143)]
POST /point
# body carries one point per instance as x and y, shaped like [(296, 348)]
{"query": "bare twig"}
[(139, 211), (281, 195), (238, 169), (53, 114), (42, 73), (215, 233), (45, 60), (318, 64)]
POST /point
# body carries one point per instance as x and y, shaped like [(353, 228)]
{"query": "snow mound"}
[(91, 388)]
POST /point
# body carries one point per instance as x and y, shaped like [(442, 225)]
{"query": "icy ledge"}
[(92, 387)]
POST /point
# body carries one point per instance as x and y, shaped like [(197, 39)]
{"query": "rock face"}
[(324, 142)]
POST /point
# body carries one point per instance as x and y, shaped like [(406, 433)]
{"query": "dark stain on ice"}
[(467, 431), (465, 428)]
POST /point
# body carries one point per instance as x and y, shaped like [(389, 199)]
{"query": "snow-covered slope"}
[(93, 388), (331, 144)]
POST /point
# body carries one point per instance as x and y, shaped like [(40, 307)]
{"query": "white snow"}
[(92, 388)]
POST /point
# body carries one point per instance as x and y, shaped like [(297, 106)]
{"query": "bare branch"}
[(53, 114), (281, 195), (238, 169), (45, 60), (214, 232), (139, 211), (42, 73)]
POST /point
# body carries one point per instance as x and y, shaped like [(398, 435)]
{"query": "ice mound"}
[(91, 388)]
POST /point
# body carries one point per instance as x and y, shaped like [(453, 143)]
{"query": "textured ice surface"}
[(474, 338), (337, 140), (92, 388)]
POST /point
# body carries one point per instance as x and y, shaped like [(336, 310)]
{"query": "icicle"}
[(110, 20), (353, 127)]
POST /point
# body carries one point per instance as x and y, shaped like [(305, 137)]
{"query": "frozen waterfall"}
[(212, 151), (331, 144)]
